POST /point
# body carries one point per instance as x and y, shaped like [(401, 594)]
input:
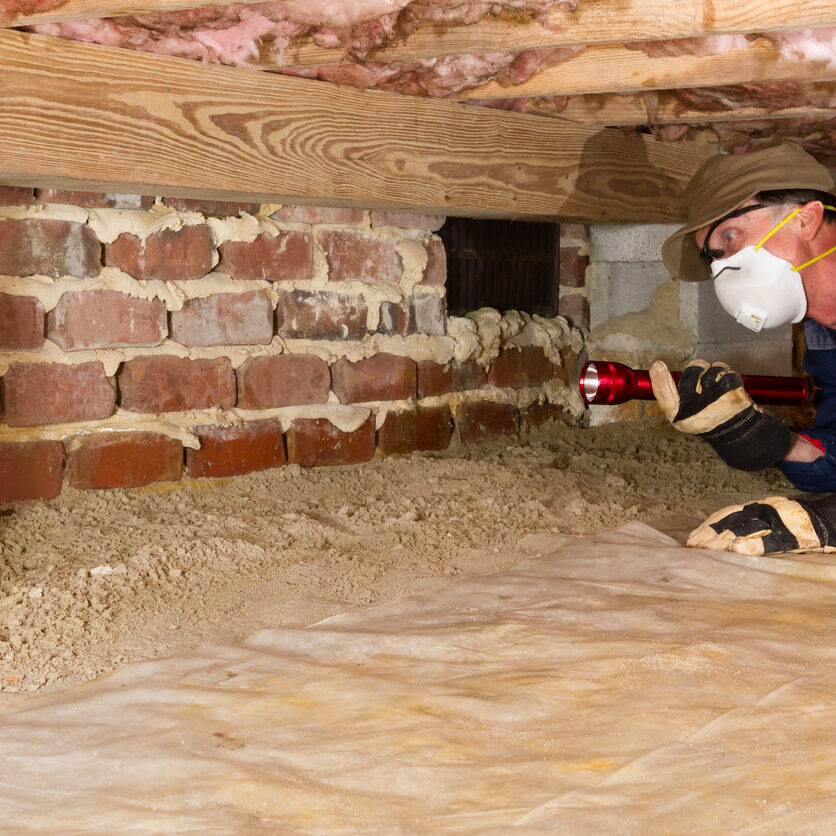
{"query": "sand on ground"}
[(96, 579)]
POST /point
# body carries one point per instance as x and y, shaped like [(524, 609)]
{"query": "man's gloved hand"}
[(711, 402), (775, 524)]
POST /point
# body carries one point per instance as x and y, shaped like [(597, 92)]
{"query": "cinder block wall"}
[(143, 340), (639, 313)]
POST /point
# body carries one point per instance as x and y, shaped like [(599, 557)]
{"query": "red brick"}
[(318, 314), (319, 215), (35, 247), (312, 442), (538, 414), (230, 451), (16, 196), (355, 257), (408, 220), (30, 470), (382, 377), (56, 393), (468, 375), (575, 307), (174, 384), (572, 267), (21, 322), (106, 319), (478, 420), (213, 208), (224, 319), (287, 256), (95, 200), (397, 434), (434, 428), (434, 378), (516, 368), (427, 314), (424, 428), (168, 255), (123, 460), (435, 273), (283, 380), (394, 318), (579, 232)]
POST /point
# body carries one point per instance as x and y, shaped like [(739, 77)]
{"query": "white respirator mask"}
[(759, 289)]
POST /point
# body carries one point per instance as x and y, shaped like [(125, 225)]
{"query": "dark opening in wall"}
[(508, 265)]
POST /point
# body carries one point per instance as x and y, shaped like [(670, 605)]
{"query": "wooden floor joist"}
[(75, 115), (664, 108), (615, 69)]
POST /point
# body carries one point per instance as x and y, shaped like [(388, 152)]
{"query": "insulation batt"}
[(10, 9)]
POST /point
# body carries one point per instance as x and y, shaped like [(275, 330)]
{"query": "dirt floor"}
[(95, 579)]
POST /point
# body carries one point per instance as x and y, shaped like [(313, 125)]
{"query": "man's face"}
[(745, 230)]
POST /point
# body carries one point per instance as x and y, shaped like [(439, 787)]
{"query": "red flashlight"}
[(605, 382)]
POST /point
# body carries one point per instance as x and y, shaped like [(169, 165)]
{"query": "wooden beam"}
[(664, 108), (75, 115), (595, 21), (615, 69)]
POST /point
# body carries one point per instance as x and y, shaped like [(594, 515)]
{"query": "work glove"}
[(775, 524), (712, 404)]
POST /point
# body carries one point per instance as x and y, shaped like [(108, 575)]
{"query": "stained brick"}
[(579, 232), (435, 273), (408, 220), (572, 267), (224, 319), (393, 319), (575, 307), (16, 196), (95, 200), (516, 368), (427, 314), (424, 428), (174, 384), (21, 322), (56, 393), (355, 257), (283, 380), (312, 442), (30, 470), (168, 255), (434, 428), (538, 414), (106, 319), (230, 451), (479, 420), (382, 377), (213, 208), (123, 460), (319, 215), (320, 314), (468, 375), (48, 248), (434, 378), (287, 256)]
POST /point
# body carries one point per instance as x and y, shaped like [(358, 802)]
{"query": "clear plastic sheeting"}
[(622, 684)]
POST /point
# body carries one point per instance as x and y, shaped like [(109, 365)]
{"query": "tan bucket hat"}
[(723, 182)]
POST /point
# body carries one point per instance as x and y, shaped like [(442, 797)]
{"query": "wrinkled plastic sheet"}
[(622, 684)]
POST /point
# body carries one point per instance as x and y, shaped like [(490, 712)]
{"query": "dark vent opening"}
[(508, 265)]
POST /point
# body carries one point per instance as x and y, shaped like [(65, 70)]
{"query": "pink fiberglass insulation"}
[(10, 9), (440, 77), (238, 34)]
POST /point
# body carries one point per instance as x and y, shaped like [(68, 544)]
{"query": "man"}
[(762, 226)]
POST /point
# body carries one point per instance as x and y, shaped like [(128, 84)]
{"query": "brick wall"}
[(144, 341)]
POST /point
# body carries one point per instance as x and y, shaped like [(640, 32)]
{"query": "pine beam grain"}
[(74, 115)]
